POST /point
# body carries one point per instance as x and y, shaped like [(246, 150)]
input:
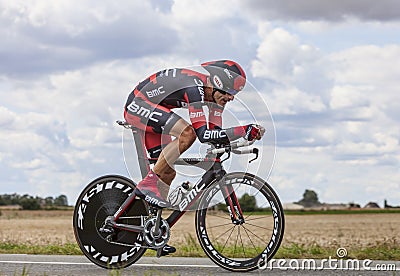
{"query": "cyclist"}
[(149, 105)]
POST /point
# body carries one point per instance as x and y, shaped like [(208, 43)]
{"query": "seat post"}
[(144, 164)]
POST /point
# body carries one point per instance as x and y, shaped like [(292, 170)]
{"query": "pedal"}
[(165, 250)]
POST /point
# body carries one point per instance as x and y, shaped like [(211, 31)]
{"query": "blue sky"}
[(328, 71)]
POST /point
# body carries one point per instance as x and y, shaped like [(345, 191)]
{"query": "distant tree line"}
[(28, 202)]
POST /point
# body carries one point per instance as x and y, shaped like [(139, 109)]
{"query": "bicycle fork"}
[(232, 204)]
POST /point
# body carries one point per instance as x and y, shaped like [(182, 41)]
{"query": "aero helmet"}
[(226, 75)]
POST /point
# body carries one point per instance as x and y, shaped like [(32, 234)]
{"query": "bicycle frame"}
[(212, 165)]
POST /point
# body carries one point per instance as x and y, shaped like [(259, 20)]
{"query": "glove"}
[(253, 132)]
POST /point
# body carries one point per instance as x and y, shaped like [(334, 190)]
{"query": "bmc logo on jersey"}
[(143, 112), (196, 114), (217, 82), (155, 92), (217, 113)]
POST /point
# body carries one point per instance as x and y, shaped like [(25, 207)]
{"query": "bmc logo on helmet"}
[(217, 82), (228, 73)]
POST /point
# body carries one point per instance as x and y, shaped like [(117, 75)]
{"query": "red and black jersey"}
[(184, 88)]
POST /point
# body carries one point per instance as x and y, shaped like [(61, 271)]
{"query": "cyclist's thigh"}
[(155, 142), (177, 126)]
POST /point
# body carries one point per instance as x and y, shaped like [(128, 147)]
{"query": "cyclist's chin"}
[(222, 102)]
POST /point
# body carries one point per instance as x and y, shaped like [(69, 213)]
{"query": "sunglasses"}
[(230, 91)]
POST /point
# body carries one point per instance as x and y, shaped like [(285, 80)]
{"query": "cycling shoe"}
[(167, 249), (148, 190)]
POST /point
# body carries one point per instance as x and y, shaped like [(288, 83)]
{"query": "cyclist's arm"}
[(215, 135)]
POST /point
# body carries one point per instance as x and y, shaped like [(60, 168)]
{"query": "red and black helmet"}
[(226, 75)]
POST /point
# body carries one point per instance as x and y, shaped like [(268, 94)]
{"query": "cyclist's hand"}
[(254, 132)]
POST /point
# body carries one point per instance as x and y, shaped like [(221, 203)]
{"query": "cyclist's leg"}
[(158, 130), (155, 143), (157, 119), (185, 137)]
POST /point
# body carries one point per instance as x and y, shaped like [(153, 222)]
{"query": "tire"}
[(243, 247), (100, 199)]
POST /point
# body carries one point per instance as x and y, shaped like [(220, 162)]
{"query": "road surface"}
[(21, 264)]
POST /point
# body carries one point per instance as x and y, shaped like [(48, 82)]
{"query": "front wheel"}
[(248, 244), (100, 199)]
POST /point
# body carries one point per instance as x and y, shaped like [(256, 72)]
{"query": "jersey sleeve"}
[(212, 131)]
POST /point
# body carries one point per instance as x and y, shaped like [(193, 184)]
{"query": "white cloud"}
[(368, 64), (192, 13), (283, 59), (6, 117), (276, 56), (40, 36), (292, 101), (349, 96)]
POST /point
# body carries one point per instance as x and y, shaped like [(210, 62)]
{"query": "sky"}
[(328, 72)]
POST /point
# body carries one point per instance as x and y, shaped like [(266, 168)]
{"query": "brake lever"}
[(229, 156), (255, 151)]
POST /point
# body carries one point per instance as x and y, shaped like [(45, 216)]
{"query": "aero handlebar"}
[(233, 147)]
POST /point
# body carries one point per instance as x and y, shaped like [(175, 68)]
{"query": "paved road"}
[(79, 265)]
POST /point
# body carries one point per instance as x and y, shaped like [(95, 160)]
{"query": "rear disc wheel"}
[(99, 200)]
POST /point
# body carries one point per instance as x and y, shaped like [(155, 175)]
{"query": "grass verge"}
[(384, 250), (50, 249)]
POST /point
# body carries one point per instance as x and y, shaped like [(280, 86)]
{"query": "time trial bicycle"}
[(114, 228)]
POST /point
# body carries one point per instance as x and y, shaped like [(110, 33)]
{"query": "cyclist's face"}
[(222, 98)]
